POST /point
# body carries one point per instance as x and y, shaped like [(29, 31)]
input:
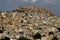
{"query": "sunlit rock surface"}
[(29, 23)]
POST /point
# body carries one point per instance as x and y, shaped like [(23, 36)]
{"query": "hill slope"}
[(29, 23)]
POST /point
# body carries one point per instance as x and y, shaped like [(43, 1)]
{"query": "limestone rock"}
[(30, 23)]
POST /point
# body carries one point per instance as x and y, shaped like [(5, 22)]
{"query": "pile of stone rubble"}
[(29, 23)]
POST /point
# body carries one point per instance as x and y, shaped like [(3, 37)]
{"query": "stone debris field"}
[(29, 23)]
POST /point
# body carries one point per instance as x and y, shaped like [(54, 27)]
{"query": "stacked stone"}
[(29, 23)]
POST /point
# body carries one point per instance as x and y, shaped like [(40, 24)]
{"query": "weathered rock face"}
[(29, 23)]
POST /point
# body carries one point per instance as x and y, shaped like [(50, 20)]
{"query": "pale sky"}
[(53, 5)]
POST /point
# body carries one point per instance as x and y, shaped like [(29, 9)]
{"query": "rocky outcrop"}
[(29, 23)]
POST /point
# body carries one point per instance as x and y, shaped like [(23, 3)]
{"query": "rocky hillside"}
[(29, 23)]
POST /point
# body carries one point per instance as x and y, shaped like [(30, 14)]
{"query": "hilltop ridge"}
[(35, 9)]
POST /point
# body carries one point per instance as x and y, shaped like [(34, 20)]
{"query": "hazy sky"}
[(53, 5)]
